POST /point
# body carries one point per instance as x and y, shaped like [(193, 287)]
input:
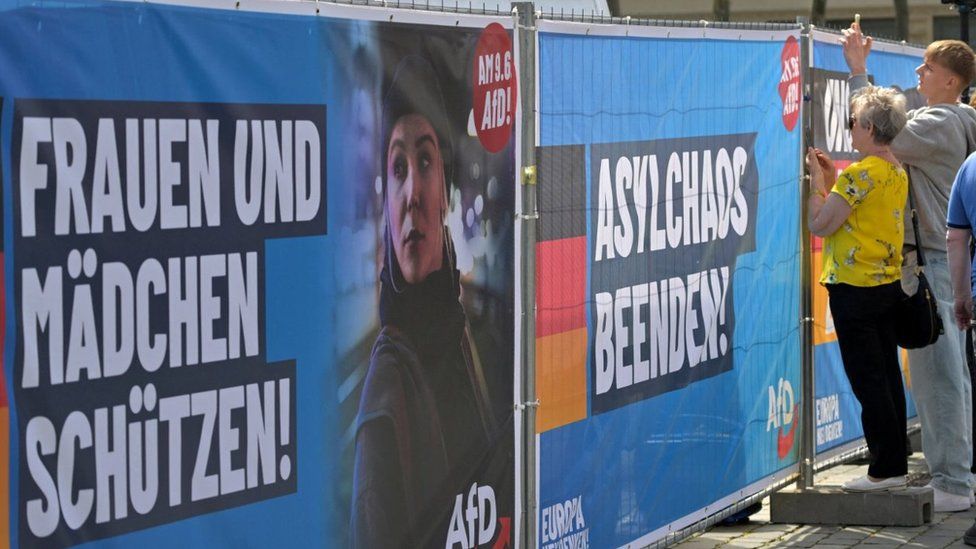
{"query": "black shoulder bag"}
[(917, 320)]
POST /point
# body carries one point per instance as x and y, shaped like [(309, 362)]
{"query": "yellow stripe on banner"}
[(823, 322), (4, 477), (904, 368), (560, 379)]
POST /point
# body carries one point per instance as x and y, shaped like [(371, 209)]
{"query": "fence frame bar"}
[(808, 445), (526, 37)]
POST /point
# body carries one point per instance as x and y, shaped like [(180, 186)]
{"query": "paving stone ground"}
[(945, 530)]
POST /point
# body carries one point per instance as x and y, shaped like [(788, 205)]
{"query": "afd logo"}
[(475, 521), (783, 416)]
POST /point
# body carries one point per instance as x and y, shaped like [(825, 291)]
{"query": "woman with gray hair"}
[(860, 215)]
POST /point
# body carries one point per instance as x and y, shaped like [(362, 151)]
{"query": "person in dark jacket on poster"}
[(424, 425)]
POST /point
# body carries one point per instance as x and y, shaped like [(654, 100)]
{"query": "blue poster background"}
[(642, 466), (886, 68)]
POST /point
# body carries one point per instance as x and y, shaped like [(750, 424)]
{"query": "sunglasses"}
[(850, 123)]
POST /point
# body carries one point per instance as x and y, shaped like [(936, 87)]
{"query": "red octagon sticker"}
[(495, 88), (789, 82)]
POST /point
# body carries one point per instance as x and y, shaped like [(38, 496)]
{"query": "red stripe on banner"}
[(560, 291), (842, 165)]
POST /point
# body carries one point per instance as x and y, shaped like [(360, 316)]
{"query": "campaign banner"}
[(838, 414), (258, 276), (667, 276)]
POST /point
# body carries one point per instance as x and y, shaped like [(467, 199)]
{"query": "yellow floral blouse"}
[(866, 249)]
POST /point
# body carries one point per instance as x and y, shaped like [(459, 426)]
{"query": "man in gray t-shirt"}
[(934, 143)]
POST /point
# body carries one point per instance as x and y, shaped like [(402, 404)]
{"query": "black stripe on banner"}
[(562, 191)]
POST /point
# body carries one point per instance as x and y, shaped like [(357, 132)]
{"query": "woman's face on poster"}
[(415, 197)]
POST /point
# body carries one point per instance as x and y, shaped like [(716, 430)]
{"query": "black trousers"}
[(864, 320)]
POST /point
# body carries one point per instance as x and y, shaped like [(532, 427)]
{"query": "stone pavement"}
[(945, 530)]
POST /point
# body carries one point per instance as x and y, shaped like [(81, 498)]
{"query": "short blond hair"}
[(881, 108), (956, 56)]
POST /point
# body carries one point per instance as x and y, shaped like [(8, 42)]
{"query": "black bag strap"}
[(911, 209)]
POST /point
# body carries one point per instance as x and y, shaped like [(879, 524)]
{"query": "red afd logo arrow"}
[(789, 82), (784, 443), (505, 535)]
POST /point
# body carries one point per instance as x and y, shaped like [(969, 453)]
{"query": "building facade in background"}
[(928, 19)]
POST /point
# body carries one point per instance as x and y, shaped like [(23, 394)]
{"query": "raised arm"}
[(857, 47)]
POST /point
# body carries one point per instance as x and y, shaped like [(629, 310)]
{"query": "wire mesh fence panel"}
[(667, 274)]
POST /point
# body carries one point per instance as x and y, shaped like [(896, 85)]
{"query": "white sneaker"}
[(864, 484), (950, 503)]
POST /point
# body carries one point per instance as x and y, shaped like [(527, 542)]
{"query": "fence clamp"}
[(521, 406), (528, 175)]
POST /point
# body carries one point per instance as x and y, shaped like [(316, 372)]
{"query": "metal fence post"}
[(526, 36), (808, 447)]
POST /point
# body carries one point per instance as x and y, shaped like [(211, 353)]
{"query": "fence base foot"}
[(831, 505)]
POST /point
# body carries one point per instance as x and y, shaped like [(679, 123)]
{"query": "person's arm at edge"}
[(957, 247)]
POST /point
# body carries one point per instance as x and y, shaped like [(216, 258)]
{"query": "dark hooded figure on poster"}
[(424, 424)]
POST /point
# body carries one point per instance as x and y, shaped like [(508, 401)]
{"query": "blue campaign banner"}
[(668, 276), (838, 414), (258, 283)]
